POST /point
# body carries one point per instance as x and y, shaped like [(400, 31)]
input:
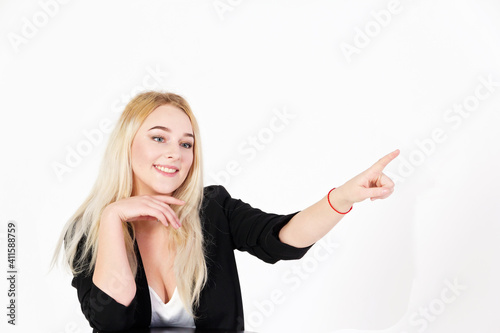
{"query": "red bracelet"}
[(328, 197)]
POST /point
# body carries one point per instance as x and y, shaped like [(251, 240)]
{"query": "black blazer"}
[(227, 224)]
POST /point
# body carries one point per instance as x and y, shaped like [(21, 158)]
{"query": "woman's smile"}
[(168, 171)]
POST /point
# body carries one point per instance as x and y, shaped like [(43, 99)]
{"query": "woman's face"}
[(162, 151)]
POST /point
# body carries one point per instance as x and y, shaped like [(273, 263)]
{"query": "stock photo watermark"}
[(97, 301), (73, 325), (12, 273), (292, 279), (422, 318), (364, 36), (30, 27), (252, 144), (453, 117), (222, 7), (94, 137)]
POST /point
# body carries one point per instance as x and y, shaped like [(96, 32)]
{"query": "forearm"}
[(311, 224), (112, 273)]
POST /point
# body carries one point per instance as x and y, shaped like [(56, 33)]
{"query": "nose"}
[(172, 151)]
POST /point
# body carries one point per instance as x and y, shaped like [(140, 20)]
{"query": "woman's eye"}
[(161, 139)]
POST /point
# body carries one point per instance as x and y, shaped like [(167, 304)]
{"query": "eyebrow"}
[(166, 129)]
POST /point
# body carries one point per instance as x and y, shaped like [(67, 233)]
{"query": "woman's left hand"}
[(371, 183)]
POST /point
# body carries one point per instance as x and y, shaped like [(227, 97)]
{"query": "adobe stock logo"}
[(224, 6), (30, 28), (363, 37), (94, 137), (292, 279), (426, 315), (250, 147), (455, 116)]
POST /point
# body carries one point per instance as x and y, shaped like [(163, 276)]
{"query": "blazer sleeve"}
[(101, 310), (253, 230)]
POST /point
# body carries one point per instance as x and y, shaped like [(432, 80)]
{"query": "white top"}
[(171, 314)]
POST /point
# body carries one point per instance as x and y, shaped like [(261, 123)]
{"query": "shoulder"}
[(215, 195), (215, 191)]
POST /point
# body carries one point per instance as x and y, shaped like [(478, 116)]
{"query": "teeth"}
[(165, 169)]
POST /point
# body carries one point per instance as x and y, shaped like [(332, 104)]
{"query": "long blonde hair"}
[(115, 182)]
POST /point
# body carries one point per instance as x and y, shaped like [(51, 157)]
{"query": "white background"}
[(389, 266)]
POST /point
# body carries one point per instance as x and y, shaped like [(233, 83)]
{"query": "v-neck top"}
[(170, 314)]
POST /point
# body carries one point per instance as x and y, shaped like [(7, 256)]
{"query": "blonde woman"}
[(151, 246)]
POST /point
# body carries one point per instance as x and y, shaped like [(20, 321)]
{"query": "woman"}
[(151, 246)]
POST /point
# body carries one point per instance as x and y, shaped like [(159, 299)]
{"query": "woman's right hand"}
[(145, 207)]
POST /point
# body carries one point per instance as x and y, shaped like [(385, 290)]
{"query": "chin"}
[(166, 191)]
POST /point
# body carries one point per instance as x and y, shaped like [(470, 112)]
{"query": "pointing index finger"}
[(382, 163)]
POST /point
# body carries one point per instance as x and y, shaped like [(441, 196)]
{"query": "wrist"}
[(109, 217), (338, 201)]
